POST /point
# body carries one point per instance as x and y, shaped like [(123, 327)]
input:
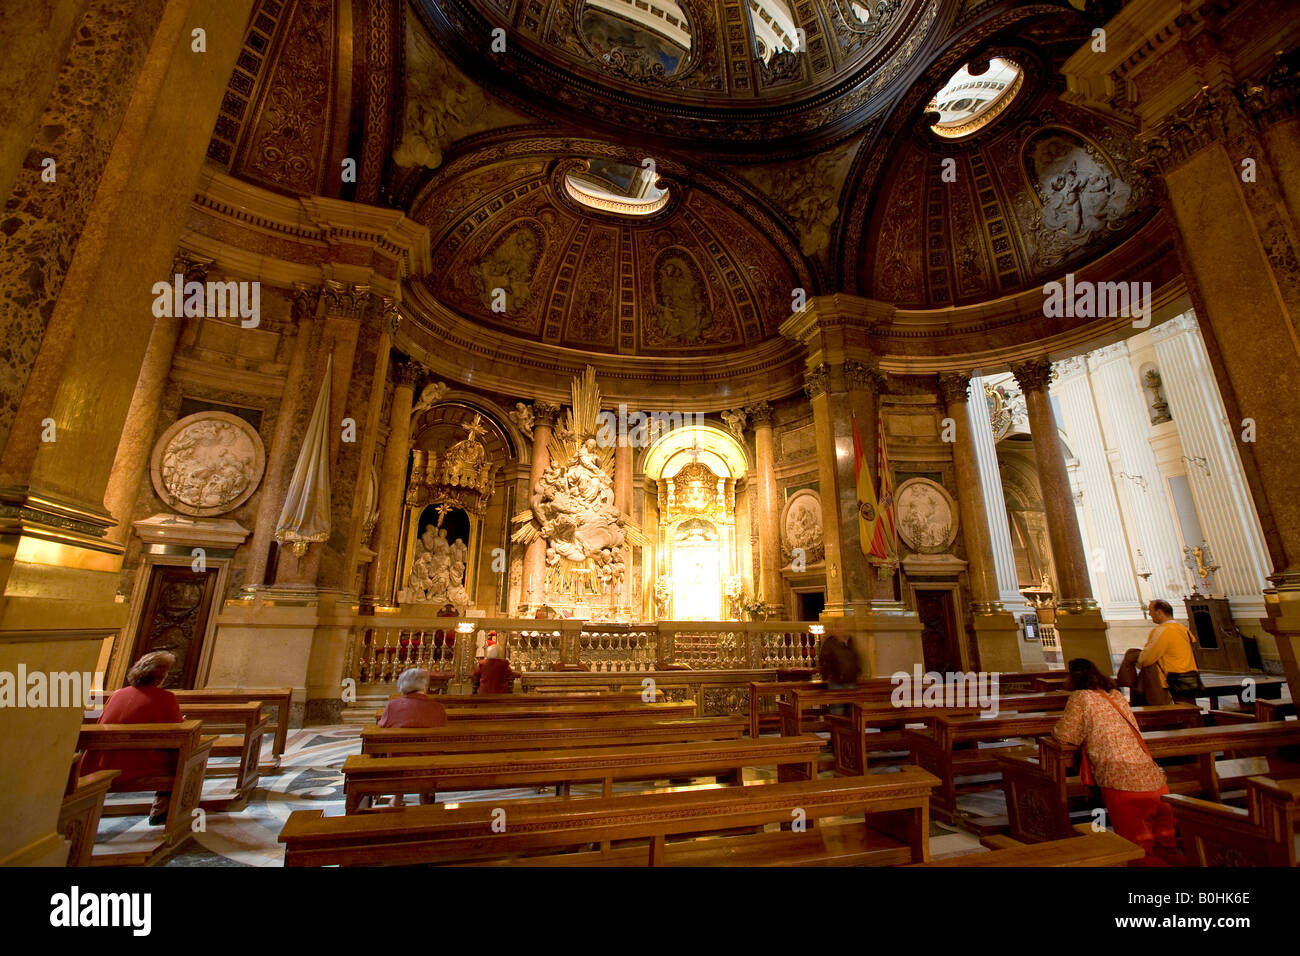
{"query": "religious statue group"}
[(574, 506), (438, 571)]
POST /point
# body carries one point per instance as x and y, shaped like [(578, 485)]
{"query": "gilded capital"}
[(1034, 375), (954, 387), (408, 373), (344, 300), (861, 376), (761, 414), (190, 265), (545, 414), (817, 381)]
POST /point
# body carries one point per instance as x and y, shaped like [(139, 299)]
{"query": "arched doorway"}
[(701, 508)]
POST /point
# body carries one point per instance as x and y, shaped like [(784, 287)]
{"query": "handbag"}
[(1184, 682)]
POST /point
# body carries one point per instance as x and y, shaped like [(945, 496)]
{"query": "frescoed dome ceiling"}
[(718, 74), (516, 248)]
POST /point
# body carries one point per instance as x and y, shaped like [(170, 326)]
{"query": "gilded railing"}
[(381, 646)]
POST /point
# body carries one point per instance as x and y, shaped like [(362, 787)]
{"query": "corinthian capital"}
[(408, 373), (545, 414), (868, 377), (817, 381), (954, 387), (761, 414), (1034, 375)]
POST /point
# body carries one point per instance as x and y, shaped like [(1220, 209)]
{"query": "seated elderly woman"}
[(415, 708), (141, 701)]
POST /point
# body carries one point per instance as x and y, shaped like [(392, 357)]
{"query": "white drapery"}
[(306, 514)]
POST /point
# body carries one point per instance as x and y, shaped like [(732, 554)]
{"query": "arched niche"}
[(692, 472)]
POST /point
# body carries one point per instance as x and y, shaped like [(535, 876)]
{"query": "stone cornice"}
[(252, 232)]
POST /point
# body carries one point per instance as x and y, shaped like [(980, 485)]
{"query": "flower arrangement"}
[(732, 587)]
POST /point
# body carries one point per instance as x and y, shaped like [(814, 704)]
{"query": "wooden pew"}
[(460, 701), (1274, 709), (239, 729), (1101, 848), (877, 728), (1261, 834), (185, 784), (366, 777), (276, 701), (1038, 786), (1020, 682), (79, 814), (429, 835), (760, 691), (1269, 688), (802, 711), (530, 712), (949, 748), (483, 736)]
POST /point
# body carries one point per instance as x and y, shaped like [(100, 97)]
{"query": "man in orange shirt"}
[(1169, 647)]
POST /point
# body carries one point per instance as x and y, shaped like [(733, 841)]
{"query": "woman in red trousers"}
[(1098, 717)]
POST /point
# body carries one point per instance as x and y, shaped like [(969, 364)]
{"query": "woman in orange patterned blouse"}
[(1098, 717)]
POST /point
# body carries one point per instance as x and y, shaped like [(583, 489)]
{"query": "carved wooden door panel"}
[(175, 619)]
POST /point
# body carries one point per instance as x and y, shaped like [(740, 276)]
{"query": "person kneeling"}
[(1098, 718)]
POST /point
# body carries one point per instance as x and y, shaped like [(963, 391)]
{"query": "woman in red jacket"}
[(141, 701)]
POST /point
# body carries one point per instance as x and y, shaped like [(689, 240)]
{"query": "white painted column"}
[(1004, 558), (1110, 557), (1143, 497), (1223, 501)]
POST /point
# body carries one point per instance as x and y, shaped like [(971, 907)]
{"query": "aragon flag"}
[(868, 514), (886, 549)]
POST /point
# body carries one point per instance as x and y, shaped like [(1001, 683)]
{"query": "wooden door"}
[(175, 618), (938, 630)]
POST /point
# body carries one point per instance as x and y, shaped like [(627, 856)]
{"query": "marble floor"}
[(312, 778)]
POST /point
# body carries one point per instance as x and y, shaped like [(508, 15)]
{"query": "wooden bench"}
[(460, 701), (949, 748), (239, 729), (1039, 786), (482, 736), (804, 711), (366, 777), (656, 711), (83, 803), (1265, 689), (276, 701), (873, 729), (1274, 709), (761, 691), (1263, 833), (1021, 681), (1101, 848), (185, 784), (896, 803)]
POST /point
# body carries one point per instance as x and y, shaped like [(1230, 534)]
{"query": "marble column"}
[(534, 586), (136, 445), (621, 597), (1218, 485), (996, 635), (392, 484), (1152, 522), (864, 382), (768, 518), (1217, 120), (1117, 583), (77, 276), (986, 454), (1078, 620)]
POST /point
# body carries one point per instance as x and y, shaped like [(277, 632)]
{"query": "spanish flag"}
[(868, 513)]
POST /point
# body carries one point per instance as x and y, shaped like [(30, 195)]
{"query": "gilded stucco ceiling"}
[(830, 180), (727, 92), (513, 251)]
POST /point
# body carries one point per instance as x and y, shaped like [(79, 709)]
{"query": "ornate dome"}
[(710, 73), (513, 249)]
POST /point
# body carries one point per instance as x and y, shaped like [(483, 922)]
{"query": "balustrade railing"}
[(1047, 637), (382, 646)]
